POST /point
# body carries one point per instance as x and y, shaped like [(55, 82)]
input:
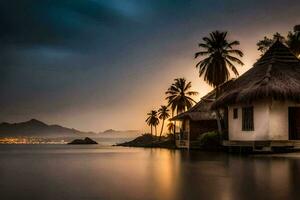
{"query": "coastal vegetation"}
[(148, 140), (292, 40), (210, 140), (170, 127), (179, 96), (152, 120), (163, 115), (219, 59)]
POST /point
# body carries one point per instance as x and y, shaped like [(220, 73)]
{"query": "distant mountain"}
[(125, 135), (112, 131), (36, 128)]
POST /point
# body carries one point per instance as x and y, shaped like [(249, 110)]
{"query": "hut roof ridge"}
[(275, 75)]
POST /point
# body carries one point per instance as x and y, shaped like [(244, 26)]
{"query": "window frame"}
[(248, 118)]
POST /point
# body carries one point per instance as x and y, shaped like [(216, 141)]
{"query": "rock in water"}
[(86, 140)]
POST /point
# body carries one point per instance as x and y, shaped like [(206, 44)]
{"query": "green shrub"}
[(209, 139)]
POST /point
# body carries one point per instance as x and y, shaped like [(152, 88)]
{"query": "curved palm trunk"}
[(219, 124), (155, 131), (162, 128), (174, 130), (218, 115)]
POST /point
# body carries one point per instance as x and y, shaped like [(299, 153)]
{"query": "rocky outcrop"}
[(86, 140)]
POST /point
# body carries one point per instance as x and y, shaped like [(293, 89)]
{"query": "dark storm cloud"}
[(59, 21), (62, 22), (53, 21)]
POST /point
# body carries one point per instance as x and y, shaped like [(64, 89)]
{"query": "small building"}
[(194, 122), (264, 103)]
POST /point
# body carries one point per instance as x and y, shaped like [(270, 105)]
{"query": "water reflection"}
[(77, 172)]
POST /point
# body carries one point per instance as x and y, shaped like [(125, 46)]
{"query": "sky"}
[(101, 64)]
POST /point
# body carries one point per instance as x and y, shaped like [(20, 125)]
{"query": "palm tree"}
[(163, 114), (152, 120), (155, 124), (179, 95), (293, 42), (170, 127), (266, 43), (219, 57)]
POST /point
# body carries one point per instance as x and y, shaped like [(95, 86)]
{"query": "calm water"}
[(92, 172)]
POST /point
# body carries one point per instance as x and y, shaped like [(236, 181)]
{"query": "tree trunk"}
[(218, 115), (162, 128), (174, 130), (151, 130), (155, 130)]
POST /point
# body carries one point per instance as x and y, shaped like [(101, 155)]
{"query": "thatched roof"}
[(276, 75), (200, 111)]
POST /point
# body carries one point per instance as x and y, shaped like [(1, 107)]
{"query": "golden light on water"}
[(165, 172)]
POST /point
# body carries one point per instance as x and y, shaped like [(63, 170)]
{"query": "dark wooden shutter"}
[(247, 119)]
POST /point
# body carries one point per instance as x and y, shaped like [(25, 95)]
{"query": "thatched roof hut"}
[(276, 75)]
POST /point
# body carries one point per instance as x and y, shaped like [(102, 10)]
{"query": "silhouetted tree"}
[(163, 114), (152, 120), (266, 43), (292, 41), (219, 57), (170, 127), (179, 96)]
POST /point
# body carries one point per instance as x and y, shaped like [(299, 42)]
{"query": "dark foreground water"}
[(57, 172)]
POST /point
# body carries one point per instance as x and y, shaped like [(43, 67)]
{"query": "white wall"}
[(270, 121), (261, 123), (279, 124)]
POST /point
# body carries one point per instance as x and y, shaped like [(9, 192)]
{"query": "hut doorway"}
[(294, 123)]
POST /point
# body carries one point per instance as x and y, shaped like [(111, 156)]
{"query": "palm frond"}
[(218, 58), (234, 59)]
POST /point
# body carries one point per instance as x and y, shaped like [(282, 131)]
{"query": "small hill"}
[(36, 128), (110, 131), (117, 131), (148, 140), (86, 140)]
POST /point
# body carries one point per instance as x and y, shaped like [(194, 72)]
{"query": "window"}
[(235, 113), (247, 115)]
